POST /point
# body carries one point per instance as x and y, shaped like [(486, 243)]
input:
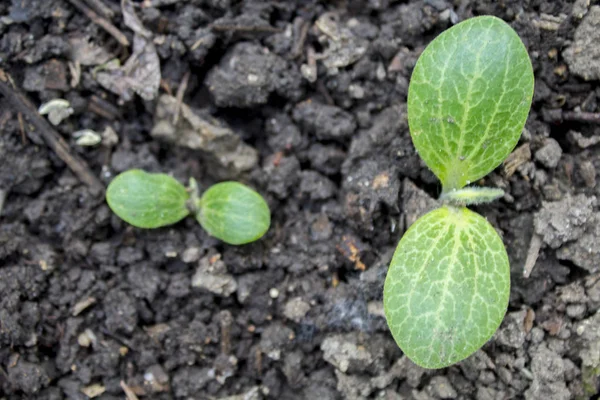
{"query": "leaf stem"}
[(471, 195), (193, 203)]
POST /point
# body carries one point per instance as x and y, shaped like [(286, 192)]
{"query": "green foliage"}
[(228, 211), (233, 213), (147, 200), (468, 100), (447, 288)]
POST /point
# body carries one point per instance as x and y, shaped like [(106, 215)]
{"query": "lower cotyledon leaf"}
[(147, 200), (234, 213), (469, 96), (447, 288)]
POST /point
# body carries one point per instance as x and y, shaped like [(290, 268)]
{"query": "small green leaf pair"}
[(229, 211), (447, 288)]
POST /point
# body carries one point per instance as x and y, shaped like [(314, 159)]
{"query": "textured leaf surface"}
[(147, 200), (468, 99), (447, 287), (234, 213)]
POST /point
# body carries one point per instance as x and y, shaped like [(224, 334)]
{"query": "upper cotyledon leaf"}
[(234, 213), (447, 288), (147, 200), (468, 99)]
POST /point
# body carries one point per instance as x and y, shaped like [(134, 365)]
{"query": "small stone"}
[(252, 394), (549, 155), (190, 255), (512, 331), (583, 55), (487, 377), (587, 171), (28, 377), (324, 121), (273, 293), (353, 387), (344, 353), (546, 365), (537, 335), (505, 375), (582, 141), (584, 252), (248, 74), (275, 339), (295, 309), (486, 393), (86, 338), (576, 311), (548, 390), (580, 8), (212, 275), (566, 220), (441, 388)]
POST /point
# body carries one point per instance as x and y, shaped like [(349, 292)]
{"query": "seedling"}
[(447, 287), (229, 211)]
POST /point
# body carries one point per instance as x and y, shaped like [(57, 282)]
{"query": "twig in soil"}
[(3, 194), (240, 28), (103, 22), (128, 392), (22, 128), (100, 8), (532, 254), (323, 90), (20, 103), (103, 108), (300, 32), (581, 116), (558, 116), (226, 321), (180, 92)]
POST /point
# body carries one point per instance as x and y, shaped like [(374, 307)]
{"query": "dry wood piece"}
[(20, 103), (129, 394), (532, 255), (521, 155), (180, 92), (103, 22), (82, 305), (100, 8), (3, 194), (558, 116)]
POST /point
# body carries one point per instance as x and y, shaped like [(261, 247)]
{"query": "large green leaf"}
[(147, 200), (447, 287), (234, 213), (468, 99)]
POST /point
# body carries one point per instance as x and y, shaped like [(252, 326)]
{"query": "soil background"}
[(306, 102)]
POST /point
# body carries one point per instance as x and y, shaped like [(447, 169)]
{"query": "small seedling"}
[(447, 288), (229, 211)]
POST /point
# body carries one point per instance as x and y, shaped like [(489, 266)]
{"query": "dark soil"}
[(90, 305)]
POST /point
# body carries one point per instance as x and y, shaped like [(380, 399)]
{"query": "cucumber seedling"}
[(229, 211), (448, 284)]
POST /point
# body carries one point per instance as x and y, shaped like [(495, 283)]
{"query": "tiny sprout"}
[(229, 211), (448, 284), (87, 137), (57, 110)]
